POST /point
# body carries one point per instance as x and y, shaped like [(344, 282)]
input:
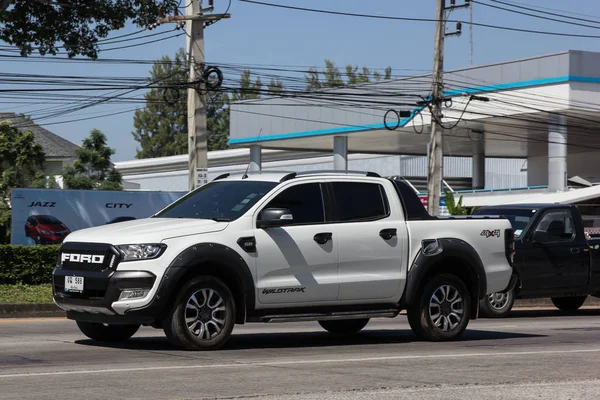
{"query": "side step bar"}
[(390, 313)]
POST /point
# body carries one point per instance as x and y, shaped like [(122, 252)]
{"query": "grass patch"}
[(26, 293)]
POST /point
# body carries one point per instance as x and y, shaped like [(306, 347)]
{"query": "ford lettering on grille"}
[(82, 258)]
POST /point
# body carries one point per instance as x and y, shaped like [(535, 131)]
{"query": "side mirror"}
[(272, 217), (540, 236)]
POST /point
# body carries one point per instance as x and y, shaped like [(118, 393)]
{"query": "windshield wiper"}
[(221, 219)]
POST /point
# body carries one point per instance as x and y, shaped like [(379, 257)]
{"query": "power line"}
[(506, 28), (113, 40), (536, 16), (539, 10), (142, 44)]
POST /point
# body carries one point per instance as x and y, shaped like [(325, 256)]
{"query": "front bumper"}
[(101, 289)]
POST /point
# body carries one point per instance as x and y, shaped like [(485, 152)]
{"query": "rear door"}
[(553, 256), (372, 241)]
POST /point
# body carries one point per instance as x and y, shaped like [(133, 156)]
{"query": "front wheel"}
[(497, 305), (441, 310), (203, 315), (568, 303), (106, 332), (346, 326)]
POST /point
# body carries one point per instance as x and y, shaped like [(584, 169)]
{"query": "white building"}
[(171, 173)]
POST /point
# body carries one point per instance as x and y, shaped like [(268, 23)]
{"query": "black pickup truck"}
[(555, 256)]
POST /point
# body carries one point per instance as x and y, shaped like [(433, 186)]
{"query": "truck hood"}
[(148, 230)]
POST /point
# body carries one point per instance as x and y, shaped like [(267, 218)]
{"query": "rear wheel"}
[(346, 326), (203, 315), (441, 310), (497, 305), (569, 303), (106, 332)]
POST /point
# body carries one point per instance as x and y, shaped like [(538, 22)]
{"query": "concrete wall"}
[(585, 165)]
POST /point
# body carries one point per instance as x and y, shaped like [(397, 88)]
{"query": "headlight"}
[(133, 252), (46, 232)]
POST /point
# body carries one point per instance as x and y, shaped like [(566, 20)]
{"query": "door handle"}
[(575, 250), (387, 234), (323, 237)]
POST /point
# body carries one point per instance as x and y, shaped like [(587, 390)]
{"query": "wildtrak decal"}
[(284, 290)]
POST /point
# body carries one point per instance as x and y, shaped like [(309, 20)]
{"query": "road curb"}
[(36, 310), (30, 310)]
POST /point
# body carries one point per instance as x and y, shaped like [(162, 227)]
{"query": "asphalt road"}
[(531, 355)]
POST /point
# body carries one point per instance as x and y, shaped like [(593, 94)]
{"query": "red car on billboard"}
[(45, 229)]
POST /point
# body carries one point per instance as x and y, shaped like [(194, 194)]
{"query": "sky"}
[(258, 34)]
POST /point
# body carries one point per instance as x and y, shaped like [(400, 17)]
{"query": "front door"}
[(372, 242), (553, 257), (298, 263)]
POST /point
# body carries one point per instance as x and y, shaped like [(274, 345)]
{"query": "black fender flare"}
[(455, 249), (230, 264)]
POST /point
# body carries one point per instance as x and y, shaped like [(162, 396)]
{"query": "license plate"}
[(74, 284)]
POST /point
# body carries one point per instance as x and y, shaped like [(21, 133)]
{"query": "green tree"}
[(21, 163), (275, 86), (332, 77), (247, 89), (455, 208), (92, 170), (161, 126), (46, 26), (217, 121)]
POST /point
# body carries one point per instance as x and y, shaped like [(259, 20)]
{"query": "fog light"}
[(133, 294)]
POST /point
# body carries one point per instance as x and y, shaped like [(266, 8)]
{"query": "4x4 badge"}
[(489, 234)]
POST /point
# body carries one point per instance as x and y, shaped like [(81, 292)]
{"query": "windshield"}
[(519, 217), (220, 201), (47, 220)]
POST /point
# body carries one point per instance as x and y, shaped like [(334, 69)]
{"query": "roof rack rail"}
[(293, 175)]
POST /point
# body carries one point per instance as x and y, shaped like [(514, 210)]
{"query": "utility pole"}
[(435, 150), (434, 175), (471, 35), (196, 19), (197, 135)]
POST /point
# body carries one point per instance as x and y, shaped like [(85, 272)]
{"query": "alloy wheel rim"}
[(446, 308), (205, 314), (498, 300)]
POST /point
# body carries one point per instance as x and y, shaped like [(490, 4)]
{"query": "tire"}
[(568, 303), (107, 333), (346, 326), (497, 305), (432, 322), (209, 323)]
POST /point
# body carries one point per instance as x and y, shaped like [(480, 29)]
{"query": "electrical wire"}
[(539, 10), (142, 44), (113, 40), (535, 16), (499, 27)]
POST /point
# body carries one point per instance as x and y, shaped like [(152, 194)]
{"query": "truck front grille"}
[(88, 257)]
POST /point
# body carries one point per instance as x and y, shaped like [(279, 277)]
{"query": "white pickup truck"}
[(334, 247)]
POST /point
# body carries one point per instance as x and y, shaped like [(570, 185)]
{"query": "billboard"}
[(47, 216), (443, 207)]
